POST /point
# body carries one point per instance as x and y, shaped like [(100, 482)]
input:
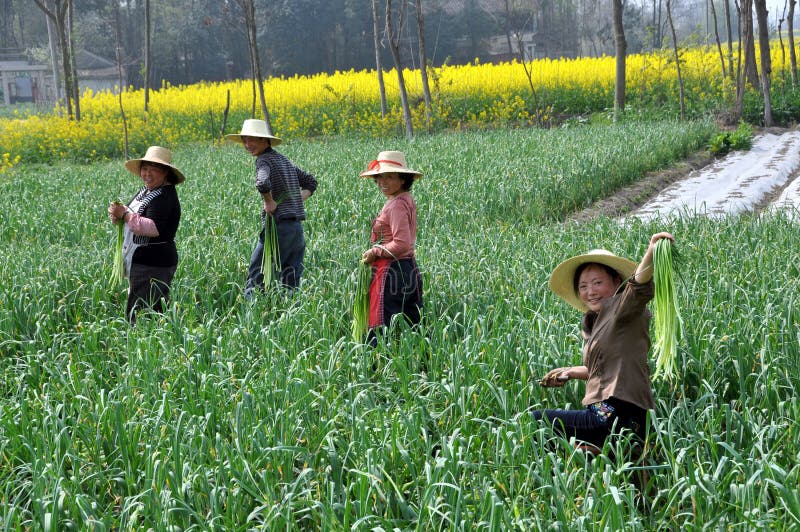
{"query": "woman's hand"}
[(555, 378), (116, 212), (658, 236), (369, 256), (644, 272)]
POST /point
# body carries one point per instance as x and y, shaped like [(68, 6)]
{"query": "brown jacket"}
[(617, 347)]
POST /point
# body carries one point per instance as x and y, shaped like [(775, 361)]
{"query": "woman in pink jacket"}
[(396, 286)]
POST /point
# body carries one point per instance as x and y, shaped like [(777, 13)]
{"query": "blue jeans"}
[(292, 249), (590, 426)]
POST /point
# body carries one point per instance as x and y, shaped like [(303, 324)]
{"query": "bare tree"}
[(762, 16), (748, 43), (507, 26), (790, 31), (517, 26), (727, 4), (249, 10), (746, 47), (57, 11), (716, 38), (52, 43), (147, 62), (394, 33), (378, 66), (423, 63), (677, 59), (73, 65), (781, 19), (118, 54), (621, 51), (656, 24)]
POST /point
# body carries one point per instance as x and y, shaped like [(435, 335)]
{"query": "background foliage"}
[(472, 96), (205, 40)]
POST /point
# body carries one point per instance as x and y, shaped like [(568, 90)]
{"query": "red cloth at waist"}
[(379, 270)]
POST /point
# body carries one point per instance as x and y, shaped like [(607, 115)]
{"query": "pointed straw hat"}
[(562, 280), (157, 155), (254, 128), (388, 162)]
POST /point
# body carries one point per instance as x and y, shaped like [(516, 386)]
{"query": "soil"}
[(632, 197)]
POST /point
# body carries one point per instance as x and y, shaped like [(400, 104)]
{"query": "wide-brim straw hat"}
[(388, 162), (562, 280), (254, 128), (158, 155)]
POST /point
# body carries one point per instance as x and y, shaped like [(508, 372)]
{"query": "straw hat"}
[(562, 280), (389, 161), (254, 128), (158, 155)]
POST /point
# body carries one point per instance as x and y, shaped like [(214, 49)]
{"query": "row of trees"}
[(742, 69), (195, 40), (183, 41)]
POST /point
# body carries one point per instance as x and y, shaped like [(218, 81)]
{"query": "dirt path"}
[(765, 177)]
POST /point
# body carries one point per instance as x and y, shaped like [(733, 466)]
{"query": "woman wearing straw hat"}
[(613, 293), (151, 220), (396, 286), (283, 188)]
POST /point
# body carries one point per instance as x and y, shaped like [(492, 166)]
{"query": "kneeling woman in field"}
[(613, 293), (396, 286), (151, 220)]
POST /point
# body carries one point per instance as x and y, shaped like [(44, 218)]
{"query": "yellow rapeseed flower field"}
[(465, 96)]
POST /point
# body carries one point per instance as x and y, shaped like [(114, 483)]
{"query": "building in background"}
[(97, 73), (24, 81)]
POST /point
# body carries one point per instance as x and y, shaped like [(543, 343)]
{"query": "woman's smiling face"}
[(391, 184), (595, 285), (153, 175)]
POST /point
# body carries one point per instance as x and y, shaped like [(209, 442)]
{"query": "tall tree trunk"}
[(783, 48), (716, 38), (621, 51), (677, 59), (66, 64), (741, 81), (394, 46), (147, 64), (378, 66), (762, 16), (73, 62), (52, 44), (507, 24), (118, 54), (655, 44), (58, 14), (656, 24), (423, 64), (746, 22), (527, 65), (727, 4), (250, 17), (790, 31)]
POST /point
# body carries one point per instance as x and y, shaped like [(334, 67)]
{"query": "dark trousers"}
[(402, 292), (589, 426), (402, 295), (149, 288), (292, 249)]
